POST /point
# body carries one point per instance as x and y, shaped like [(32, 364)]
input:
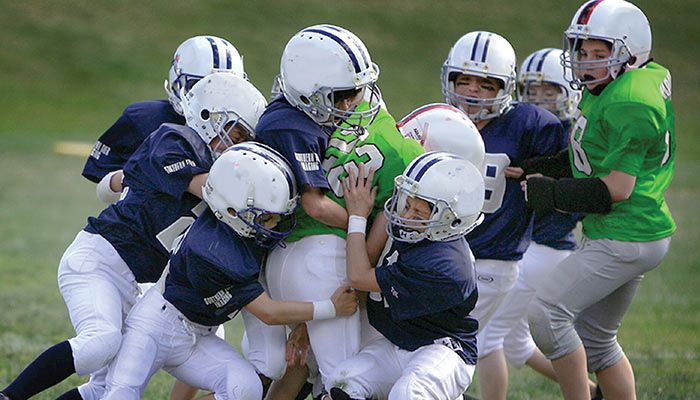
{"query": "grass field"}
[(70, 67)]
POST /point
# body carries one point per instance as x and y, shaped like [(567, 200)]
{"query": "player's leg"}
[(370, 374), (310, 270), (494, 279), (264, 346), (216, 366), (432, 372), (98, 289), (154, 335), (588, 276)]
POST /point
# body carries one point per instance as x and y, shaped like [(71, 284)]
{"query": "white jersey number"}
[(580, 158), (375, 156), (167, 236), (494, 181)]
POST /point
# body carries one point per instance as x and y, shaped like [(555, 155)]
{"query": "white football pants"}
[(310, 270), (383, 371), (158, 336), (508, 327)]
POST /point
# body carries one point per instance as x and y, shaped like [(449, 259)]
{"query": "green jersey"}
[(382, 148), (629, 127)]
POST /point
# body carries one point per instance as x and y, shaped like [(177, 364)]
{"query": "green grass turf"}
[(70, 67)]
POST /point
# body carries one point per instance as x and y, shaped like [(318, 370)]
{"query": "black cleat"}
[(339, 394)]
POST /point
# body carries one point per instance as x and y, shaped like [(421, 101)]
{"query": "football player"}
[(540, 82), (213, 273), (424, 289), (621, 157), (479, 78), (193, 59), (325, 72), (129, 243)]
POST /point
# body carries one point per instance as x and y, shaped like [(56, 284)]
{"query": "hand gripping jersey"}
[(629, 127), (523, 132), (555, 229), (155, 206), (120, 141), (298, 138), (213, 273), (428, 291), (382, 148)]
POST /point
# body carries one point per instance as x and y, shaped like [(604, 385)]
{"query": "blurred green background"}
[(68, 68)]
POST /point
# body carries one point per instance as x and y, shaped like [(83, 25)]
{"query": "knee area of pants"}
[(122, 393), (273, 369), (600, 359), (409, 386), (239, 384), (90, 391), (95, 351)]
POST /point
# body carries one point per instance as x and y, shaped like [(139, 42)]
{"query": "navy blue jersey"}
[(298, 138), (555, 230), (523, 132), (155, 206), (120, 141), (213, 273), (428, 291)]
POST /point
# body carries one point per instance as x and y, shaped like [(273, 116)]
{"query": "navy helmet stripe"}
[(342, 44), (529, 64), (544, 57), (476, 44), (215, 51), (417, 161), (486, 49), (426, 167)]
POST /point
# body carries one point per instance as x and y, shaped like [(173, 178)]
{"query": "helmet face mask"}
[(252, 189), (223, 109), (541, 82), (485, 55), (621, 25), (196, 58), (317, 64), (453, 191)]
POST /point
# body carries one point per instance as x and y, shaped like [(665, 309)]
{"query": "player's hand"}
[(513, 172), (358, 192), (297, 346), (345, 301), (523, 183)]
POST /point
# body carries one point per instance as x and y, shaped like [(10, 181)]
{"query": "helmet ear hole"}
[(204, 114), (232, 212), (456, 223), (305, 100)]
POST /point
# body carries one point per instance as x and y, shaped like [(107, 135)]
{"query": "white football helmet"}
[(452, 186), (618, 22), (317, 64), (197, 57), (249, 185), (544, 67), (483, 54), (220, 102), (442, 127)]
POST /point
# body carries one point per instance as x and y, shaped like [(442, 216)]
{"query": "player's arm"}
[(323, 209), (359, 200), (588, 195), (343, 302), (376, 239), (110, 187), (195, 186)]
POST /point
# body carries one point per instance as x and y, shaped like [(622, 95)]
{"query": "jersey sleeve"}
[(412, 293), (215, 286), (548, 138), (631, 129), (171, 164), (112, 149), (303, 152)]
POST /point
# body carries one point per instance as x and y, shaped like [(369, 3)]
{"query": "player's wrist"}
[(104, 189), (357, 224), (324, 309)]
